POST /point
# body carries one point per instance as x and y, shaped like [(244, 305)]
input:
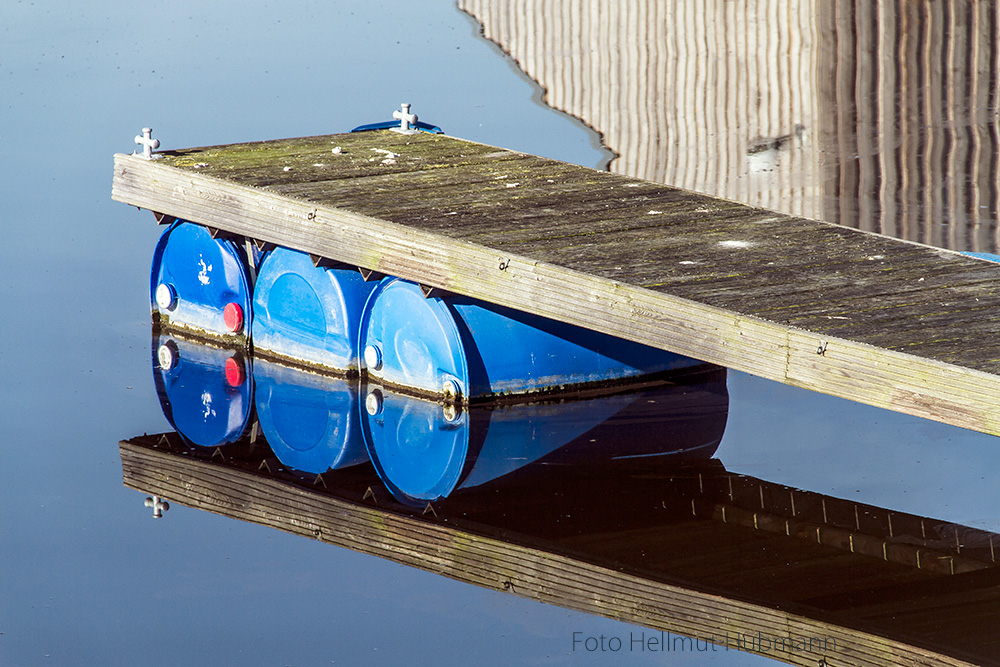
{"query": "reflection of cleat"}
[(158, 505)]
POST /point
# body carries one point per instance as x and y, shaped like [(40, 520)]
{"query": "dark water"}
[(86, 575)]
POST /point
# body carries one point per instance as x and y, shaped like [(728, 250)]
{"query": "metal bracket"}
[(321, 262), (370, 275), (163, 218), (251, 264), (430, 292), (221, 234)]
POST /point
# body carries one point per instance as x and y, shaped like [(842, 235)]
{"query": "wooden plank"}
[(460, 553), (719, 281)]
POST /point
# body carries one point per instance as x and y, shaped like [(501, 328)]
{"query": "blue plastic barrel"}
[(989, 256), (206, 392), (391, 124), (308, 314), (424, 451), (463, 349), (200, 283), (310, 421)]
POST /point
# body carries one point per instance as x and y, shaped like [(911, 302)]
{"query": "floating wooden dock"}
[(691, 550), (827, 308)]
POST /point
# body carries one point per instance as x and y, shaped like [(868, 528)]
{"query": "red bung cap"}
[(233, 317)]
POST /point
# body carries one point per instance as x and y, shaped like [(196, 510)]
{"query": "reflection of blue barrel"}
[(424, 451), (461, 348), (199, 282), (309, 421), (308, 314), (206, 393)]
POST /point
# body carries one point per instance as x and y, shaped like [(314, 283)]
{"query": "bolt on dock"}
[(831, 309)]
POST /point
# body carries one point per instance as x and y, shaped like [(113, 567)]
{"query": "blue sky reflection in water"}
[(87, 576)]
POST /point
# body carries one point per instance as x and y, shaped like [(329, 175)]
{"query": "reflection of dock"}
[(810, 304), (695, 551)]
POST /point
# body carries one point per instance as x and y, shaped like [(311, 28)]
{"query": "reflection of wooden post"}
[(898, 101), (912, 116), (681, 90)]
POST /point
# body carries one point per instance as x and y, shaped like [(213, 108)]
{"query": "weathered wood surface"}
[(831, 309), (592, 572)]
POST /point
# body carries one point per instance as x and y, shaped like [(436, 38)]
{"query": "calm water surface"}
[(86, 575)]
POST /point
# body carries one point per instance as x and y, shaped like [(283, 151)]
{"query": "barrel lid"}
[(412, 341), (310, 421), (308, 313), (196, 279), (419, 448), (983, 255), (206, 392)]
